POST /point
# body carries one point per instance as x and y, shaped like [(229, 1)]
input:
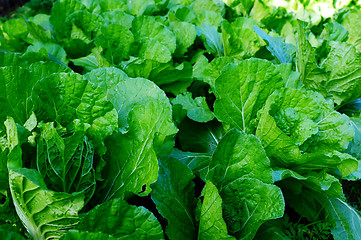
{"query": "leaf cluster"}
[(214, 116)]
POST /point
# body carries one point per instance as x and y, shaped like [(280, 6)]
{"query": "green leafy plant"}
[(180, 119)]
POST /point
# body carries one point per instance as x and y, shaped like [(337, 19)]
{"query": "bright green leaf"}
[(212, 225), (245, 158), (197, 109), (43, 212), (241, 90)]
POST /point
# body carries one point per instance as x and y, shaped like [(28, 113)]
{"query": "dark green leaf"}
[(121, 221), (197, 162), (173, 194), (198, 137), (248, 203)]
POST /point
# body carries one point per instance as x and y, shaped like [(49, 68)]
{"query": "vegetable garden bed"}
[(180, 119)]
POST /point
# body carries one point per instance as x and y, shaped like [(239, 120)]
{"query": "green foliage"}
[(173, 195), (211, 224), (180, 119), (57, 212), (242, 89), (285, 228), (121, 220)]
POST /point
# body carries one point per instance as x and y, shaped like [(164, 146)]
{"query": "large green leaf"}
[(214, 69), (212, 224), (140, 7), (248, 203), (185, 35), (40, 57), (125, 93), (132, 161), (13, 35), (106, 78), (173, 79), (241, 171), (341, 73), (44, 213), (337, 77), (347, 219), (300, 130), (38, 32), (242, 89), (334, 32), (64, 97), (291, 126), (145, 129), (239, 38), (239, 155), (118, 17), (173, 194), (80, 27), (351, 21), (261, 10), (344, 65), (39, 70), (114, 50), (209, 18), (212, 39), (54, 50), (208, 11), (155, 39), (85, 22), (10, 59), (122, 221), (152, 49), (107, 6), (60, 11), (17, 85), (316, 181)]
